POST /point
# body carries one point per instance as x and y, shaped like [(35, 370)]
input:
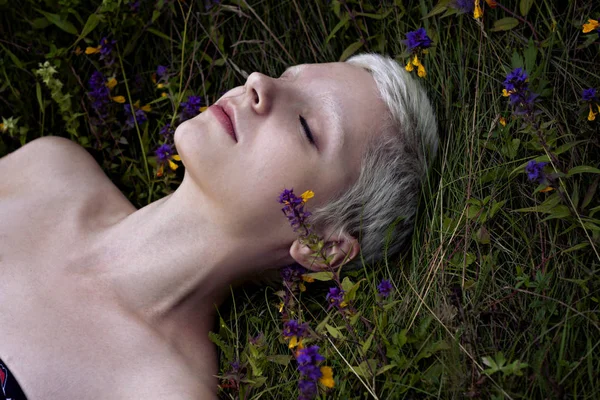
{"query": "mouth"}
[(223, 116)]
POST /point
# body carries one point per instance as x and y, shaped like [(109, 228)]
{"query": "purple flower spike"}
[(417, 39), (535, 171), (385, 288), (140, 117), (294, 210), (161, 71), (589, 95), (191, 108), (308, 389), (464, 6), (515, 80), (335, 297), (164, 152), (294, 328)]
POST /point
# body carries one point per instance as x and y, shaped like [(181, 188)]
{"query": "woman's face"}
[(337, 104)]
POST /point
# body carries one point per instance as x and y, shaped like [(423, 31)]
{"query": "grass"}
[(498, 295)]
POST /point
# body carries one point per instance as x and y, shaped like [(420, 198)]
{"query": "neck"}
[(174, 261)]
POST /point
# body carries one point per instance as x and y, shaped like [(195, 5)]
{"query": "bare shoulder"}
[(48, 158)]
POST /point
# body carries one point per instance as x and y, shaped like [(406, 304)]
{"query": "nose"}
[(260, 89)]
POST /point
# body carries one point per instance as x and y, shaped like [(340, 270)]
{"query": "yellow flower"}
[(309, 194), (308, 279), (590, 26), (302, 287), (592, 114), (477, 12), (506, 93), (416, 61), (421, 71), (409, 67), (549, 188), (163, 94), (172, 165), (112, 82), (118, 99), (203, 108), (78, 50), (92, 50), (295, 342), (147, 108), (503, 120), (160, 86), (2, 128), (281, 306), (327, 378)]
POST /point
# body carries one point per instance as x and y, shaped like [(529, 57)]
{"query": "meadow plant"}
[(498, 293)]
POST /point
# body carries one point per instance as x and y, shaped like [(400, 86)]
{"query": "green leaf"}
[(583, 169), (375, 16), (320, 276), (159, 34), (334, 332), (366, 369), (384, 368), (280, 359), (347, 284), (58, 21), (505, 24), (525, 6), (91, 24), (559, 211), (590, 39), (14, 58), (367, 344), (567, 146), (439, 8), (353, 48), (590, 194)]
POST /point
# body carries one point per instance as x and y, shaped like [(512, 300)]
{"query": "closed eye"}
[(307, 131)]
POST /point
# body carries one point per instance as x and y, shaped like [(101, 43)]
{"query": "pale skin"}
[(142, 286)]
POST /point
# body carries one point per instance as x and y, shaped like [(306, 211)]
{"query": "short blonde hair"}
[(393, 168)]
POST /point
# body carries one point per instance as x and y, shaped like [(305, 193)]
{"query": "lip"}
[(223, 116)]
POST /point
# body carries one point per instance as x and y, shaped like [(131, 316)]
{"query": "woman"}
[(100, 300)]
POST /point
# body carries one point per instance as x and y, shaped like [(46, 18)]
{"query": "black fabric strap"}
[(9, 387)]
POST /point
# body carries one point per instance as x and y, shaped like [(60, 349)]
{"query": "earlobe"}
[(341, 249)]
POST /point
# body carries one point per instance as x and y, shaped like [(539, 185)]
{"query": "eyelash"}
[(307, 131)]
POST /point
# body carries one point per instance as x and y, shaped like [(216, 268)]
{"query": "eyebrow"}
[(333, 113)]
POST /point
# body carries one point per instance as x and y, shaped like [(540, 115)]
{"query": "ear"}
[(342, 248)]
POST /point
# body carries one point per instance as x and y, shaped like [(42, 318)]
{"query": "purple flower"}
[(589, 95), (464, 6), (164, 152), (535, 171), (518, 92), (309, 355), (166, 130), (99, 94), (310, 371), (294, 328), (161, 71), (134, 6), (335, 297), (294, 210), (515, 80), (140, 117), (191, 108), (208, 4), (417, 39), (385, 288), (292, 273), (308, 389)]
